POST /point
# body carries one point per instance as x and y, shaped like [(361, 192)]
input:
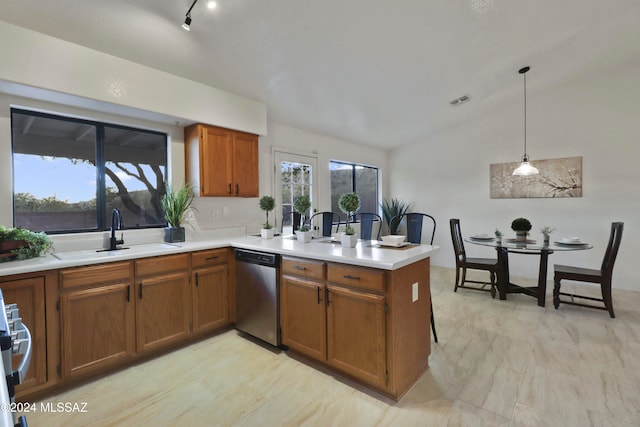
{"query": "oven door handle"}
[(23, 367)]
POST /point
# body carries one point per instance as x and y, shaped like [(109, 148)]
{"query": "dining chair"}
[(602, 276), (463, 263), (367, 220), (294, 217), (328, 219), (414, 235)]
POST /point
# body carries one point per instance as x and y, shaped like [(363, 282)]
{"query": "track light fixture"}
[(187, 21)]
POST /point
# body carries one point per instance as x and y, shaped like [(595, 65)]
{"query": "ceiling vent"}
[(460, 101)]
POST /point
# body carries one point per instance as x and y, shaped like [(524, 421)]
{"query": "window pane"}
[(296, 181), (135, 175), (54, 174), (349, 177)]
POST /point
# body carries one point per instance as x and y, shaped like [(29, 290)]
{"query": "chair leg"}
[(455, 289), (492, 279), (606, 297), (433, 323), (464, 276), (556, 293)]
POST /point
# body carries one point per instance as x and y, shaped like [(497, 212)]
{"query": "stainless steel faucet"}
[(116, 223)]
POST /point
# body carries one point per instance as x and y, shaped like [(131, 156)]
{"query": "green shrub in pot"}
[(302, 205), (175, 204), (521, 226), (21, 243), (267, 204), (349, 203), (394, 209)]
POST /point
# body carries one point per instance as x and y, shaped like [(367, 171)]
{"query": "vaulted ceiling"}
[(381, 73)]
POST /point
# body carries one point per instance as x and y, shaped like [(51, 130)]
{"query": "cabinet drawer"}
[(162, 264), (359, 277), (97, 274), (303, 268), (209, 257)]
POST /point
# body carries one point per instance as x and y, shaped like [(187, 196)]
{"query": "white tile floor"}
[(498, 362)]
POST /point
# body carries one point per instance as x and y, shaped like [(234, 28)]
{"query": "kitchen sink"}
[(120, 252)]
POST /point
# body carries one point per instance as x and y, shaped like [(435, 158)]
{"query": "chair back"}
[(458, 243), (612, 248), (414, 226), (328, 219), (295, 218), (366, 225)]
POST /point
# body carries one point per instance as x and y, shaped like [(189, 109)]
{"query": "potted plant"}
[(498, 236), (267, 203), (349, 203), (21, 243), (394, 209), (176, 204), (521, 226), (546, 233), (302, 205)]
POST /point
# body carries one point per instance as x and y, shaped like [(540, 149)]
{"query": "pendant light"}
[(525, 169)]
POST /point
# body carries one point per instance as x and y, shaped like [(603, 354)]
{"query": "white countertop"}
[(366, 253)]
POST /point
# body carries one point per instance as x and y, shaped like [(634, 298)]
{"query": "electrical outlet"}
[(414, 292), (215, 213)]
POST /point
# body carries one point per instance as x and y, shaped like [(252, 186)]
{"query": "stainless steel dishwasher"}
[(258, 294)]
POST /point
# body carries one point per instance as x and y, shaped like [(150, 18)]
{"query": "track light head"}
[(187, 23)]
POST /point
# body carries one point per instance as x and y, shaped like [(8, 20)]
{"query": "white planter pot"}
[(267, 233), (303, 236), (348, 240)]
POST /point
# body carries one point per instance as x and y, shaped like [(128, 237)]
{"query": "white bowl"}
[(394, 239), (570, 239)]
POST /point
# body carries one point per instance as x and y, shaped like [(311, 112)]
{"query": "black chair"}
[(414, 235), (602, 276), (295, 220), (366, 225), (463, 263), (328, 219)]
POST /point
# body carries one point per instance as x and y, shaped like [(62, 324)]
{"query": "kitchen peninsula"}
[(363, 312)]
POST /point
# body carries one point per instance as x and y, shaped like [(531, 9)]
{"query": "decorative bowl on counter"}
[(394, 239)]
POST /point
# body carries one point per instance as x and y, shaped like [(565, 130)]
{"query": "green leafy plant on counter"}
[(176, 203), (349, 203), (302, 205), (394, 209), (23, 243), (267, 204)]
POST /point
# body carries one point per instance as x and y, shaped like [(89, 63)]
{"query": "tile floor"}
[(498, 363)]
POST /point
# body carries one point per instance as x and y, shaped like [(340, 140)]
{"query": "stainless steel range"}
[(15, 338)]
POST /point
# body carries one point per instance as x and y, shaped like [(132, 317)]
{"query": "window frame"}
[(103, 220)]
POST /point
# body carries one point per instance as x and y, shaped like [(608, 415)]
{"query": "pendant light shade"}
[(525, 169)]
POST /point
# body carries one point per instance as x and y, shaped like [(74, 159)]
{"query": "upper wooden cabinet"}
[(221, 162)]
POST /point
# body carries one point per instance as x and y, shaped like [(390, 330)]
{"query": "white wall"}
[(596, 117)]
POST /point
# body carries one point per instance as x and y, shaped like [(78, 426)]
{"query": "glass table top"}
[(530, 245)]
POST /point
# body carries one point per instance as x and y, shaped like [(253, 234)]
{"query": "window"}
[(70, 173), (349, 177)]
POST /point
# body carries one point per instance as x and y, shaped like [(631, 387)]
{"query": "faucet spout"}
[(116, 223)]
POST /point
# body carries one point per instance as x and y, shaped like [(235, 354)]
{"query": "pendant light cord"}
[(524, 75)]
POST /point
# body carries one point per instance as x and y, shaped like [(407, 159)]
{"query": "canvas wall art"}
[(557, 178)]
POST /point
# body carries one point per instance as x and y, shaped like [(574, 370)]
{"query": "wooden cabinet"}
[(370, 324), (96, 317), (163, 301), (210, 290), (342, 326), (221, 162), (28, 293)]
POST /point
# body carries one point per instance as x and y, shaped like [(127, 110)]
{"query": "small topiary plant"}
[(267, 203), (302, 205), (349, 203), (521, 224)]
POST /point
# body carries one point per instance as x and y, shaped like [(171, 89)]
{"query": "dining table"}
[(505, 246)]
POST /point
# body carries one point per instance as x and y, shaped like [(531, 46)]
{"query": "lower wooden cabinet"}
[(303, 316), (210, 298), (356, 334), (96, 317), (28, 292), (340, 326), (163, 301)]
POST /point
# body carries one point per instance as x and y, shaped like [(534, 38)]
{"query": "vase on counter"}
[(348, 240), (267, 233), (303, 236), (521, 236), (174, 234)]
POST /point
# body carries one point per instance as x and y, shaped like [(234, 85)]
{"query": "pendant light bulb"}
[(525, 169)]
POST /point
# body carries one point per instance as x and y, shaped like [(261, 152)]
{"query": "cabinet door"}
[(245, 165), (303, 316), (29, 295), (97, 328), (356, 341), (216, 169), (210, 298), (163, 311)]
